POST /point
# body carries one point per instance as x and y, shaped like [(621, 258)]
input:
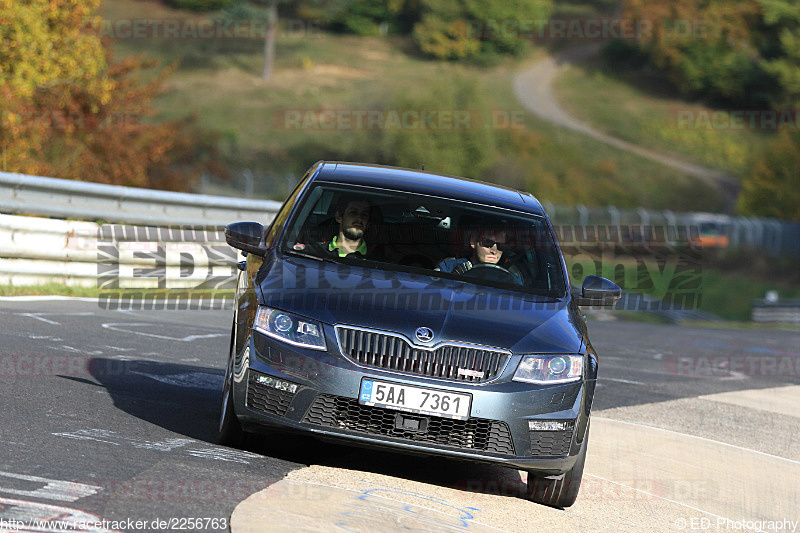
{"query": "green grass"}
[(219, 80), (730, 295), (640, 109), (739, 326), (49, 289), (60, 289)]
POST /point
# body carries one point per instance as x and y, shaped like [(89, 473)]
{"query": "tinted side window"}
[(283, 214)]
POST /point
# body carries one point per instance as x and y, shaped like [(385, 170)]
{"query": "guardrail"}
[(785, 311), (35, 250), (40, 250), (707, 230), (35, 195)]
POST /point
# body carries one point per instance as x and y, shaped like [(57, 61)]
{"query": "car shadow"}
[(185, 399)]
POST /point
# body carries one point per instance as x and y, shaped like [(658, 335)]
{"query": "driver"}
[(487, 248)]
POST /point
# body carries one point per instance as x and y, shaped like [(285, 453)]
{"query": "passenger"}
[(352, 214)]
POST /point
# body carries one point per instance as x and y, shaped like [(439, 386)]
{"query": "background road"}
[(533, 87), (113, 414)]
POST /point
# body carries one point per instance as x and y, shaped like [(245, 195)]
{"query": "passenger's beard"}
[(353, 234)]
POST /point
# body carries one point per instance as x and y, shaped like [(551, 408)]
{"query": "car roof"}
[(429, 183)]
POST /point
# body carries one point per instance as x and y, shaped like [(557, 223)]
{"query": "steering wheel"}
[(492, 272)]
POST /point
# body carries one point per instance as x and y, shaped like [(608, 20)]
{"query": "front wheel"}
[(559, 491), (230, 429)]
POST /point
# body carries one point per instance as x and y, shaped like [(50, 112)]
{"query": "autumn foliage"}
[(69, 110), (741, 54)]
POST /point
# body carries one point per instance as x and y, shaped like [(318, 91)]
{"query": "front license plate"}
[(415, 399)]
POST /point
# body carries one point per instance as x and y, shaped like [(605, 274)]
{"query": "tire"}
[(559, 491), (230, 429)]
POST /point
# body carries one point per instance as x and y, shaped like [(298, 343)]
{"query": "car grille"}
[(490, 436), (267, 399), (392, 352), (550, 443)]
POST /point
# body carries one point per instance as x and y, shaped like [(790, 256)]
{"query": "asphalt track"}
[(109, 417)]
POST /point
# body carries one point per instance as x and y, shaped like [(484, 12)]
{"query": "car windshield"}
[(401, 231)]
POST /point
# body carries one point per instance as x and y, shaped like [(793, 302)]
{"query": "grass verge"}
[(219, 80), (730, 295), (638, 108), (58, 289)]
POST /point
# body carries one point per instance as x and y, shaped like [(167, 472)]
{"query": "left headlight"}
[(289, 328), (547, 369)]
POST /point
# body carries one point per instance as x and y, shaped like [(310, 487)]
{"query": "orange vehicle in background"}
[(711, 231)]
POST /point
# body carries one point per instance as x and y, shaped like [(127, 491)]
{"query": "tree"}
[(772, 188), (260, 10), (782, 18), (458, 29), (42, 47), (707, 49), (71, 111)]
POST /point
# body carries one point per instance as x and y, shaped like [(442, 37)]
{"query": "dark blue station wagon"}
[(415, 312)]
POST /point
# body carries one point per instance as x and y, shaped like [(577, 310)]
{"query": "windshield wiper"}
[(309, 256)]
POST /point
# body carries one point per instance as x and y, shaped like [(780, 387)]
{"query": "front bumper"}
[(325, 404)]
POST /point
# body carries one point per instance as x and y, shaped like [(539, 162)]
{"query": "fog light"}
[(274, 383), (551, 425)]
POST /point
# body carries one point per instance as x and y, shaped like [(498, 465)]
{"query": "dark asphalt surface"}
[(123, 406)]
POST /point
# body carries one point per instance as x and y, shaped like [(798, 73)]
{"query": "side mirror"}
[(245, 236), (597, 291)]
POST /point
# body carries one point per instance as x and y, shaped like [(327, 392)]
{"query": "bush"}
[(466, 29), (466, 150), (772, 188), (445, 40), (199, 5)]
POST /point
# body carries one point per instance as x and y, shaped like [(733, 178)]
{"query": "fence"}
[(706, 229)]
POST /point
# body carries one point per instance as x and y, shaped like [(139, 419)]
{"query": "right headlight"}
[(289, 328), (548, 369)]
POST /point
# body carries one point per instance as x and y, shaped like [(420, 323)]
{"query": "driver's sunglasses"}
[(488, 243)]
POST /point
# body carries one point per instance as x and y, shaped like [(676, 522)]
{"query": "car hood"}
[(401, 302)]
